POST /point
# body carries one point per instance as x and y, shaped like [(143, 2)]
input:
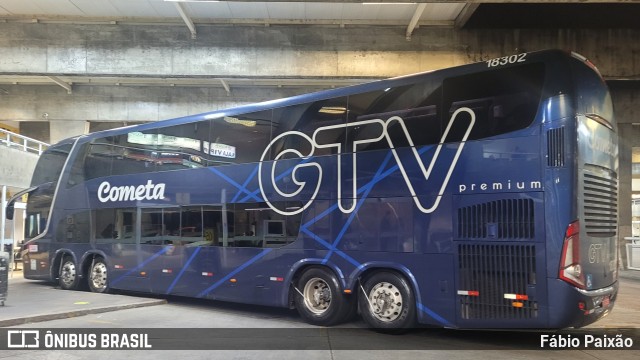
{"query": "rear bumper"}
[(579, 307)]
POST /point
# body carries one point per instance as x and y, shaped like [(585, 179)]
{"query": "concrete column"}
[(625, 146), (62, 129), (3, 221)]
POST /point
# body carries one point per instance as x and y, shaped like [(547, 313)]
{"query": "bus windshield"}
[(44, 181)]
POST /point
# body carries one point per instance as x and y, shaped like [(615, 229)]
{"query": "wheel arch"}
[(88, 257), (298, 268), (366, 270), (54, 268)]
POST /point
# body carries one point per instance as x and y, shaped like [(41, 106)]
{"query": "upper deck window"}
[(503, 100)]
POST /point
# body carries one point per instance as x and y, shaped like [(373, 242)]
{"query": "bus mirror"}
[(10, 210)]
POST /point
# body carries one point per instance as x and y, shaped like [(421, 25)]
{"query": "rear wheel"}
[(388, 303), (319, 299), (68, 278), (98, 276)]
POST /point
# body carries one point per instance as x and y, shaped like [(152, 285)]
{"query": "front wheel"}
[(388, 303), (319, 299), (98, 276)]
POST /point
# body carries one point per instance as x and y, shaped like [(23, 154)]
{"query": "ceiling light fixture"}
[(388, 3), (333, 110), (211, 1)]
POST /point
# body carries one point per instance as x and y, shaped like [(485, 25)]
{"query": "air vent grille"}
[(490, 277), (500, 219), (555, 147)]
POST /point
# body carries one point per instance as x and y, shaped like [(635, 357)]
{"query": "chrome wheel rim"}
[(317, 296), (386, 302), (99, 276), (68, 273)]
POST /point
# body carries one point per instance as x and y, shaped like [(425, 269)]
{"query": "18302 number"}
[(507, 60)]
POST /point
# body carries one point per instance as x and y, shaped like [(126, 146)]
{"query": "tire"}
[(320, 300), (69, 277), (98, 276), (388, 303)]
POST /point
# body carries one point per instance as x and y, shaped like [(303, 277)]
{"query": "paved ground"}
[(36, 301)]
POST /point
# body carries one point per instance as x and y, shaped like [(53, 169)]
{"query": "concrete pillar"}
[(625, 147), (3, 221), (62, 129)]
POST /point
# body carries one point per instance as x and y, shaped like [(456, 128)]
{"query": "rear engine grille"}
[(600, 196), (491, 275), (500, 219)]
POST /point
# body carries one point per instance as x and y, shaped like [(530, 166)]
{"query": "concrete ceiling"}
[(475, 13), (258, 12)]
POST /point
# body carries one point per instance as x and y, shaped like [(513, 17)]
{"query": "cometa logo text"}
[(150, 191)]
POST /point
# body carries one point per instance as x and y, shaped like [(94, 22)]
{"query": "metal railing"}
[(23, 143)]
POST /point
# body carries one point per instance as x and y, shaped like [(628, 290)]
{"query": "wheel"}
[(388, 303), (319, 299), (98, 276), (68, 277)]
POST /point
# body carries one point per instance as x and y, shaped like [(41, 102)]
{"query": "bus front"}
[(584, 277), (41, 196)]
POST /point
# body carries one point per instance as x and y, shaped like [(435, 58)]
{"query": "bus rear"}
[(586, 278)]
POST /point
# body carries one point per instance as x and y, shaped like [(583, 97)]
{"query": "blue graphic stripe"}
[(434, 315), (240, 268), (346, 257), (366, 187), (279, 177), (329, 246), (369, 187), (153, 257), (244, 186), (320, 216), (316, 238), (230, 181), (184, 268)]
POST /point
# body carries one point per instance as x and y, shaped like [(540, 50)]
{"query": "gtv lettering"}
[(377, 131)]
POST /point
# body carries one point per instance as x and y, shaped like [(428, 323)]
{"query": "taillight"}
[(570, 269)]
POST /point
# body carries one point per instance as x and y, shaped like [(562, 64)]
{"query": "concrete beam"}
[(414, 20), (125, 103), (63, 84), (226, 87), (465, 14), (287, 52), (187, 20)]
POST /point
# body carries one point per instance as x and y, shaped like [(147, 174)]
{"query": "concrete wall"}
[(250, 52), (17, 167), (308, 51)]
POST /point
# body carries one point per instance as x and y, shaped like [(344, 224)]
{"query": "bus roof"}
[(539, 56)]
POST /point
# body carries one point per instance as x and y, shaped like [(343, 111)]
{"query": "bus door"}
[(223, 265), (116, 235), (160, 257)]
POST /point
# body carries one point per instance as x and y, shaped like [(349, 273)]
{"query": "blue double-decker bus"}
[(479, 196)]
